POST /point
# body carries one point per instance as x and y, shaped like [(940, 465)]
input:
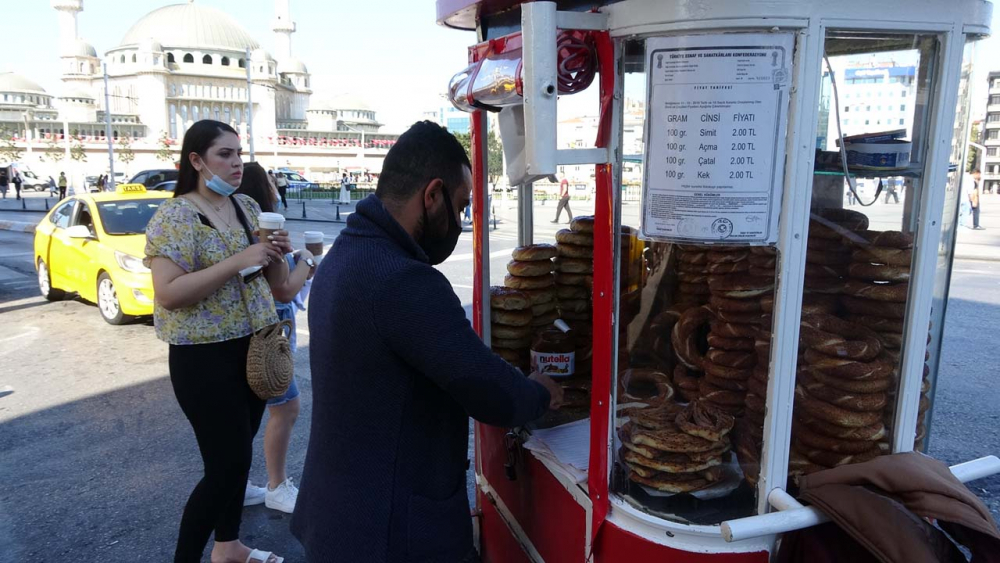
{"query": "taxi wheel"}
[(107, 301), (45, 283)]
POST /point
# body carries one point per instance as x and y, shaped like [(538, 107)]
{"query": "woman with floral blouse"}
[(213, 290)]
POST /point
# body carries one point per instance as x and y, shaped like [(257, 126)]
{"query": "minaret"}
[(283, 29), (68, 9)]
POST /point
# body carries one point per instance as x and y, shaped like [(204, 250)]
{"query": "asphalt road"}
[(98, 459)]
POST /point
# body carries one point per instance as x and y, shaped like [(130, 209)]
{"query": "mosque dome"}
[(190, 25), (80, 48), (292, 66), (12, 82)]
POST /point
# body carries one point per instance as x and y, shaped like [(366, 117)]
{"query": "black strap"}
[(243, 220)]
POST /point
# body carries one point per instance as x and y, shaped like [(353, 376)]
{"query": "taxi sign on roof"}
[(130, 189)]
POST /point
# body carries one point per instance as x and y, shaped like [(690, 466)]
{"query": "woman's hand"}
[(280, 240), (260, 254)]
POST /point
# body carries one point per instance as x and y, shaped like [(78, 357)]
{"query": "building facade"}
[(179, 64), (991, 135)]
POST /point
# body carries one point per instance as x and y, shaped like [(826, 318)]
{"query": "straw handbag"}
[(269, 361)]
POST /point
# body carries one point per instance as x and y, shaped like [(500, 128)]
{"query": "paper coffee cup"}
[(270, 222), (314, 242)]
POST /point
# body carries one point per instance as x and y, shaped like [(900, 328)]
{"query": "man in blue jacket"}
[(397, 372)]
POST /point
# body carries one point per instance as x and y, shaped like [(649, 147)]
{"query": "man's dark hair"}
[(426, 151)]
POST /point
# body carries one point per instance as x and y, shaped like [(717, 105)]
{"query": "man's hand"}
[(555, 390)]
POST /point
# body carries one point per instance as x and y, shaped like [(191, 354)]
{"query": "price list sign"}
[(715, 131)]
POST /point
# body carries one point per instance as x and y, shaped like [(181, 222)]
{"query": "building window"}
[(133, 57), (239, 117), (242, 63), (207, 60), (903, 94), (902, 107), (991, 151), (215, 112), (993, 118), (173, 121), (867, 122), (994, 100), (194, 114), (123, 58), (902, 121), (847, 109), (225, 61), (188, 58), (868, 108), (229, 116), (993, 134), (170, 58)]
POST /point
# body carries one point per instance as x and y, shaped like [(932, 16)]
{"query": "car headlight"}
[(130, 263)]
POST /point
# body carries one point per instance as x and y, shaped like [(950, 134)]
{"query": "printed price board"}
[(715, 130)]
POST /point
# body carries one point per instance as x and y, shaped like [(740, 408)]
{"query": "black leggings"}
[(211, 386), (282, 190)]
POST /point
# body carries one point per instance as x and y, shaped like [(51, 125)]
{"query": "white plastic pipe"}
[(790, 517), (538, 33)]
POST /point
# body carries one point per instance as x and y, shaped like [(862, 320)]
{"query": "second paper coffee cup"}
[(314, 242)]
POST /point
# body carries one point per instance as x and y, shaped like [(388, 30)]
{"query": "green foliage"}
[(9, 150), (494, 163), (125, 153), (163, 152), (54, 150), (972, 153), (76, 150)]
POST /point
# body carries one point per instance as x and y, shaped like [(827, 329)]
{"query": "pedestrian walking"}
[(213, 285), (974, 200), (4, 182), (52, 186), (18, 180), (280, 492), (890, 191), (282, 182), (398, 370), (100, 183), (563, 201), (345, 189), (62, 185)]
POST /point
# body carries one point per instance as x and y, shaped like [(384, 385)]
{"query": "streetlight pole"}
[(107, 132), (249, 105)]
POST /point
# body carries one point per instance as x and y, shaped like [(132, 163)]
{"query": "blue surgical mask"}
[(220, 186)]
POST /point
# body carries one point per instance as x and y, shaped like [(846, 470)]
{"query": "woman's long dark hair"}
[(198, 139), (256, 185)]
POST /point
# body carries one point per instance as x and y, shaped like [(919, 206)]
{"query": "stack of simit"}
[(574, 285)]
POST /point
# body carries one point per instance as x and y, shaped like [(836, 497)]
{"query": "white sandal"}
[(263, 556)]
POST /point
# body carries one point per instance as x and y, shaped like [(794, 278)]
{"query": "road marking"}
[(462, 286), (18, 336), (987, 272), (470, 256)]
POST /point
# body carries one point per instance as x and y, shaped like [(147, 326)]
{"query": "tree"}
[(971, 159), (164, 153), (54, 151), (9, 150), (76, 150), (125, 153), (494, 162)]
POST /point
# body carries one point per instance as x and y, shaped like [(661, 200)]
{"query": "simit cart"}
[(743, 255)]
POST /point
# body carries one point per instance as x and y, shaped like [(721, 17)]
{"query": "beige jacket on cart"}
[(892, 509)]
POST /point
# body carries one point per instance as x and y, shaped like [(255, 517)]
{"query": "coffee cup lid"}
[(272, 218), (313, 236)]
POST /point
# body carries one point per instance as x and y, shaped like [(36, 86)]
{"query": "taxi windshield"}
[(127, 217)]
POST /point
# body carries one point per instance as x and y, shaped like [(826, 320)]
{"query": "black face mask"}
[(440, 249)]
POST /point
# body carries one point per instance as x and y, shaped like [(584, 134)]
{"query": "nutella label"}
[(554, 364)]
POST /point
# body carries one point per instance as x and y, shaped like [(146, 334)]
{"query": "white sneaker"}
[(254, 494), (282, 497)]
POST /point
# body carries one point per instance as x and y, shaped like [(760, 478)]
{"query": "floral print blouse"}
[(177, 232)]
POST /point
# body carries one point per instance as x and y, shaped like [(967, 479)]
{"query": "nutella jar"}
[(553, 353)]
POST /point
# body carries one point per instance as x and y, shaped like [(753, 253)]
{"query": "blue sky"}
[(390, 52)]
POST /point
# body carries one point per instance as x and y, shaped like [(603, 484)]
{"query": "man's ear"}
[(432, 191)]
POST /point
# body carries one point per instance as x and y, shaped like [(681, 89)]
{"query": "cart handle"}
[(792, 515)]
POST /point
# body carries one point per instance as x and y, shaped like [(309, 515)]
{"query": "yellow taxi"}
[(93, 244)]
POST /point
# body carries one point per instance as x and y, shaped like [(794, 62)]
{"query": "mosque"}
[(177, 65)]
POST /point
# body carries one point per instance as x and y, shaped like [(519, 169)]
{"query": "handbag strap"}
[(243, 220)]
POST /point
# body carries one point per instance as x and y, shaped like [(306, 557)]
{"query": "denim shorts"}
[(292, 393)]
